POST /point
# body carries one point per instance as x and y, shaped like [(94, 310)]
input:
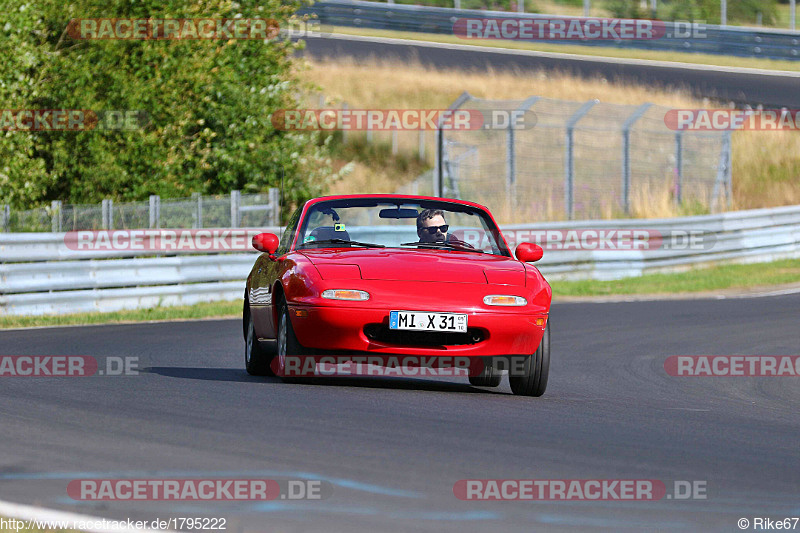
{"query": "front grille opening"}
[(382, 333)]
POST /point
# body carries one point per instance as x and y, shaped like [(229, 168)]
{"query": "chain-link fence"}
[(234, 211), (581, 160)]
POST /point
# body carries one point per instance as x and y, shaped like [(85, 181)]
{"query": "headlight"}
[(345, 294), (501, 299)]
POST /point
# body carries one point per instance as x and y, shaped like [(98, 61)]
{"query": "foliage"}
[(208, 103)]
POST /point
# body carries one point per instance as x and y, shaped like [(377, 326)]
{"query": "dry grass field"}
[(766, 165)]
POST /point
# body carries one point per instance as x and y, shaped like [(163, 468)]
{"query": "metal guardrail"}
[(753, 236), (679, 37), (39, 275)]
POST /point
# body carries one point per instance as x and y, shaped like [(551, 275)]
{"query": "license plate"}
[(425, 321)]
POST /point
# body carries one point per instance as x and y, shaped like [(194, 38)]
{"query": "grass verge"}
[(203, 310), (714, 278), (600, 51)]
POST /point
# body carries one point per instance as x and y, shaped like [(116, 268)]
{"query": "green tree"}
[(208, 103)]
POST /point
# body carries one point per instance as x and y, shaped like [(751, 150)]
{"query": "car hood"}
[(417, 265)]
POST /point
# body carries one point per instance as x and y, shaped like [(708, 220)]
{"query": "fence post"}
[(511, 165), (421, 150), (155, 211), (728, 169), (55, 216), (520, 6), (723, 173), (344, 130), (439, 177), (626, 155), (511, 147), (679, 167), (6, 218), (236, 197), (108, 213), (198, 209), (275, 207), (394, 142), (569, 170)]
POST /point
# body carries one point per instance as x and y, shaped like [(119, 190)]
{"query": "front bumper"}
[(342, 329)]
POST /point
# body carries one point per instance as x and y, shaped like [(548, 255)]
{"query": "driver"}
[(431, 226)]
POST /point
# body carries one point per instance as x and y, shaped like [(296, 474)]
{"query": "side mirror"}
[(266, 242), (529, 252)]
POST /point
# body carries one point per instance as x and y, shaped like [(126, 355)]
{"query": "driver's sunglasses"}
[(432, 229)]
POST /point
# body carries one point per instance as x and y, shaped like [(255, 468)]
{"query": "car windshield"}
[(399, 223)]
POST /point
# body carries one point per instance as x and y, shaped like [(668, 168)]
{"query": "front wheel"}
[(293, 364), (528, 374)]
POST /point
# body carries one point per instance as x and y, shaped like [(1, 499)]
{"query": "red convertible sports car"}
[(393, 276)]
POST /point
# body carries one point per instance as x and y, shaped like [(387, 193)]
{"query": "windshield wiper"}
[(450, 245), (344, 241)]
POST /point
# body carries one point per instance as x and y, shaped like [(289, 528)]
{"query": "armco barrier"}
[(723, 40), (39, 275)]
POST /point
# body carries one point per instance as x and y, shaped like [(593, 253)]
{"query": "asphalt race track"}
[(740, 86), (393, 448)]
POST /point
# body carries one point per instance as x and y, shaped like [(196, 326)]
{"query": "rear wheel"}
[(292, 356), (489, 376), (528, 374), (257, 359)]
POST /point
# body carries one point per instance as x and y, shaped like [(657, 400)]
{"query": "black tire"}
[(488, 377), (257, 359), (528, 374), (289, 345)]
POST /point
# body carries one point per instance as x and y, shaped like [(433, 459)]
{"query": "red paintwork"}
[(398, 279), (528, 251), (265, 242)]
